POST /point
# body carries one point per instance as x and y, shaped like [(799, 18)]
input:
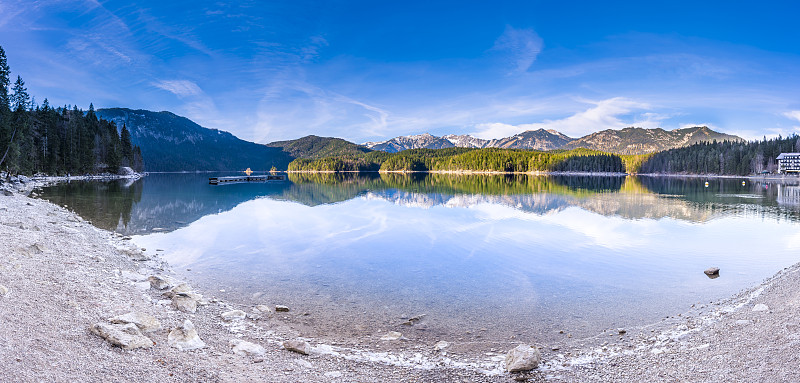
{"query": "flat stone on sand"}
[(245, 348), (297, 345), (145, 322), (126, 336)]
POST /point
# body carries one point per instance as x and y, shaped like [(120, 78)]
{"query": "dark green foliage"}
[(61, 141), (724, 158), (126, 145)]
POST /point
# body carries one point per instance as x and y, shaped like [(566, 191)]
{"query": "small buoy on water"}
[(706, 183), (742, 183)]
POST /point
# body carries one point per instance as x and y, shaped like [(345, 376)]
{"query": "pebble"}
[(760, 307), (234, 315), (298, 346), (281, 308)]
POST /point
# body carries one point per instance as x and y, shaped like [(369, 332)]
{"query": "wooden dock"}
[(239, 179)]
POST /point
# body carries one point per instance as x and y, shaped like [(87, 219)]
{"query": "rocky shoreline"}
[(83, 304)]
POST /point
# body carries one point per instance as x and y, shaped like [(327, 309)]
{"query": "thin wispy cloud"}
[(521, 47), (180, 88)]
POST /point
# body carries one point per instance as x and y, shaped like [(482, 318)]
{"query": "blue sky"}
[(272, 70)]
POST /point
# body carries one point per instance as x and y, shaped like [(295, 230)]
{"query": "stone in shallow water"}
[(523, 358), (297, 345), (185, 337), (281, 308), (245, 348), (712, 271), (145, 322), (126, 336), (392, 335), (234, 315), (264, 309)]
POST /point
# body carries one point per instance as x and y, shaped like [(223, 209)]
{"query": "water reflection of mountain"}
[(169, 201)]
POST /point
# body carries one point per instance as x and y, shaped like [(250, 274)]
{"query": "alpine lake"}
[(463, 258)]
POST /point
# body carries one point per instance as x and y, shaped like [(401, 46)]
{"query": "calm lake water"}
[(483, 257)]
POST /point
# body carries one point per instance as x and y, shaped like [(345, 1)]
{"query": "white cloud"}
[(794, 115), (180, 88), (522, 46), (605, 114)]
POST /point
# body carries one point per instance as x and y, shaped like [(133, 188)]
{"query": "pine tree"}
[(127, 146), (20, 99), (5, 76)]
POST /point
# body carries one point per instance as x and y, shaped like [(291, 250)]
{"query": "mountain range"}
[(173, 143), (624, 141)]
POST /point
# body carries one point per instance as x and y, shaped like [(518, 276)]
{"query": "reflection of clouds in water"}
[(586, 229)]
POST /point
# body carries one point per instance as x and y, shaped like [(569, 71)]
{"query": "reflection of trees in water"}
[(107, 204), (175, 200)]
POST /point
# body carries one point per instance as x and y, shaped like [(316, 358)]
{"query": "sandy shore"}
[(60, 275)]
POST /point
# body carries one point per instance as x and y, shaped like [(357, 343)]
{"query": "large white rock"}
[(145, 322), (234, 315), (523, 358), (126, 336), (185, 302), (245, 348), (297, 345), (185, 337)]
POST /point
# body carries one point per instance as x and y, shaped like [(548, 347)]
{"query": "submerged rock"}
[(263, 308), (144, 322), (185, 337), (245, 348), (523, 358), (234, 315), (126, 336), (392, 335), (297, 345)]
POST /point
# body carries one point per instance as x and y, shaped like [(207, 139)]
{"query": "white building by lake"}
[(789, 162)]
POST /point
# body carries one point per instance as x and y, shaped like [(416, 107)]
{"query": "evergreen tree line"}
[(723, 158), (43, 139), (467, 159)]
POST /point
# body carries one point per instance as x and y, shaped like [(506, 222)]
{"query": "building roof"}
[(784, 155)]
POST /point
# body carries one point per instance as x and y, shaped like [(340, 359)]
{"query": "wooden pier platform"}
[(238, 179)]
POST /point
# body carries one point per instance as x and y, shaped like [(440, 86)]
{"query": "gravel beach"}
[(60, 276)]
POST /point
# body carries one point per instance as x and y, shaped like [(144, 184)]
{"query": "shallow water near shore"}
[(473, 259)]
